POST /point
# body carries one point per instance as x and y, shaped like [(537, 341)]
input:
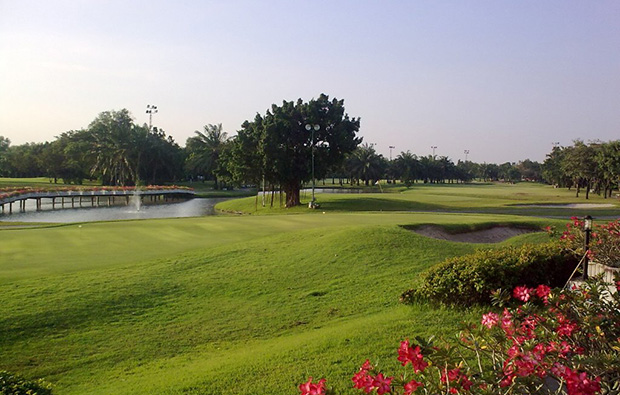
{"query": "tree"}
[(489, 171), (160, 157), (407, 168), (579, 164), (25, 160), (203, 151), (113, 147), (365, 164), (509, 172), (5, 143), (552, 171), (53, 159), (466, 170), (608, 163), (278, 149), (77, 160), (530, 170)]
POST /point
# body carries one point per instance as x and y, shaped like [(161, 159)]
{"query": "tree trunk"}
[(577, 194), (273, 192), (292, 194)]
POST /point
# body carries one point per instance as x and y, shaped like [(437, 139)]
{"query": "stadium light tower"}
[(150, 109)]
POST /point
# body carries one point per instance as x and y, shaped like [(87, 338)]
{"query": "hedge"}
[(470, 279)]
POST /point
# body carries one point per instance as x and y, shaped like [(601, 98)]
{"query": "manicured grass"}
[(241, 304), (218, 305), (484, 198), (37, 182)]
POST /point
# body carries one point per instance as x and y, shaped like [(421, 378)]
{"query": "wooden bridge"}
[(92, 198)]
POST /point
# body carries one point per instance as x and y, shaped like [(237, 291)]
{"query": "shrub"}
[(12, 384), (470, 279)]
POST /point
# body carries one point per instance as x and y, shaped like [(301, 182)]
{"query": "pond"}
[(185, 208)]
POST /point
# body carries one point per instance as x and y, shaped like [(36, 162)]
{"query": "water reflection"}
[(189, 208)]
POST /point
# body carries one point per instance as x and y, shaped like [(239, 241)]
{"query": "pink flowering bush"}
[(604, 240), (549, 342)]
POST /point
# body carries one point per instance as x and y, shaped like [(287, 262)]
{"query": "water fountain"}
[(136, 200)]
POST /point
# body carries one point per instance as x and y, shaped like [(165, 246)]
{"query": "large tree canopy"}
[(278, 148), (125, 153)]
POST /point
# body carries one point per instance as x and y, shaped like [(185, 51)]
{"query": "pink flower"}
[(407, 354), (362, 379), (558, 369), (309, 388), (506, 323), (411, 387), (382, 384), (490, 320), (455, 376), (566, 329), (543, 292), (580, 384), (522, 293)]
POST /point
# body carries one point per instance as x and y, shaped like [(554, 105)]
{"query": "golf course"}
[(253, 300)]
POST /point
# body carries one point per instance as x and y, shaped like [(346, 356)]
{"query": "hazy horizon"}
[(501, 79)]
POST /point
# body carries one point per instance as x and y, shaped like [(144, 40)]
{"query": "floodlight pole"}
[(312, 128), (150, 109)]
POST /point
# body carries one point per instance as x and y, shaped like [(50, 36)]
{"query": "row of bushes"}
[(470, 279)]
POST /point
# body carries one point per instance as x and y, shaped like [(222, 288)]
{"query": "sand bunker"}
[(492, 235)]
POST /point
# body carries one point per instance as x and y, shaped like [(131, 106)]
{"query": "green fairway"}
[(216, 305), (239, 304), (514, 199)]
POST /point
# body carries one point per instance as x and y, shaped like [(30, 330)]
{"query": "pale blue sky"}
[(503, 79)]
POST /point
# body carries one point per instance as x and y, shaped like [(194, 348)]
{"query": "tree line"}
[(112, 149), (282, 150), (593, 166)]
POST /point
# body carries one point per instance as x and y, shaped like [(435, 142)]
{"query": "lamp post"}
[(150, 109), (391, 148), (312, 128), (466, 154), (587, 227), (433, 147)]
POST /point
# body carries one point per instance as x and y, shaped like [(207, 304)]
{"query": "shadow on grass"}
[(377, 204)]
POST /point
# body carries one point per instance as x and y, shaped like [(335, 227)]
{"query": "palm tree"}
[(407, 167), (365, 164), (111, 135), (204, 151)]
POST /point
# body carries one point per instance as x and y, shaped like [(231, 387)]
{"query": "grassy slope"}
[(215, 305)]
